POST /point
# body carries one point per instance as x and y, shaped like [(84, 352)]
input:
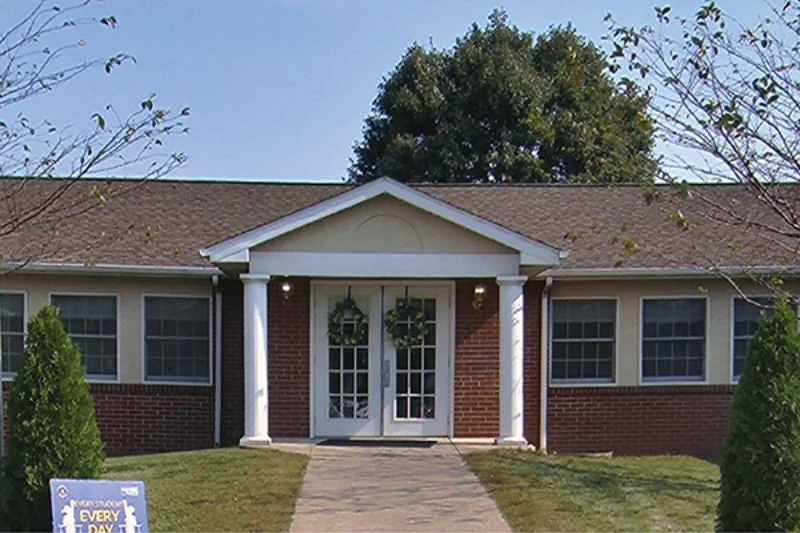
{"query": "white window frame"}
[(661, 382), (118, 297), (572, 383), (211, 335), (9, 376)]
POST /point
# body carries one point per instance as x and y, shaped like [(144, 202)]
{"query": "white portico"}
[(380, 246)]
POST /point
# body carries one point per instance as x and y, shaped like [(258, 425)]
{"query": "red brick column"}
[(533, 332), (232, 378), (289, 359), (477, 364)]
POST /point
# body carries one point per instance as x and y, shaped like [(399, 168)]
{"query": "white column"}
[(512, 332), (256, 406)]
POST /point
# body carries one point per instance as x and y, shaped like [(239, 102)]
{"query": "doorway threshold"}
[(380, 443)]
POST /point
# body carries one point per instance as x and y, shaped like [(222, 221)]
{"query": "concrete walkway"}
[(393, 489)]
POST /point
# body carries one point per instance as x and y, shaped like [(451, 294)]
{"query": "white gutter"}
[(217, 360), (544, 358), (106, 269), (682, 272)]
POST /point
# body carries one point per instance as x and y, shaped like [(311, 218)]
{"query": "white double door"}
[(375, 389)]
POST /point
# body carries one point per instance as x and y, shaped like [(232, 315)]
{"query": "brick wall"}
[(689, 420), (477, 366), (137, 419)]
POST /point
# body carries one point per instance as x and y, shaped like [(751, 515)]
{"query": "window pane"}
[(673, 339), (746, 317), (177, 338), (583, 335), (12, 330), (91, 321)]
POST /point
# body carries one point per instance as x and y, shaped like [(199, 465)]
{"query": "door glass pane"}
[(415, 371), (363, 407), (348, 375)]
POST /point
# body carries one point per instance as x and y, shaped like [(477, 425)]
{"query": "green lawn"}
[(538, 493), (216, 490)]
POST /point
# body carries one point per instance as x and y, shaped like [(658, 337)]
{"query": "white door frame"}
[(449, 284)]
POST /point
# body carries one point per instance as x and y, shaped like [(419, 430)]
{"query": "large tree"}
[(503, 105), (726, 98), (40, 52)]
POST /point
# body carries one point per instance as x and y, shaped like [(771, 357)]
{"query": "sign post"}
[(93, 506)]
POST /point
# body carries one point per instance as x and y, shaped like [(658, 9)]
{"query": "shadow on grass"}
[(602, 473), (602, 494)]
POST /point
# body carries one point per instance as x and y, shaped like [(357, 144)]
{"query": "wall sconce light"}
[(286, 289), (477, 295)]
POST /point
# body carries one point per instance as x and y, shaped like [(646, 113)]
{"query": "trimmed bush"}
[(53, 431), (760, 485)]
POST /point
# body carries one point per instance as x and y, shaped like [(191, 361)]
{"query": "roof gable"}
[(236, 249)]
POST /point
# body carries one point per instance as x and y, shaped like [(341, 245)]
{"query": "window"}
[(583, 340), (12, 331), (91, 321), (674, 339), (746, 317), (176, 336)]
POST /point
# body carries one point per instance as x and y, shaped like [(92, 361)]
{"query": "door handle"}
[(387, 378)]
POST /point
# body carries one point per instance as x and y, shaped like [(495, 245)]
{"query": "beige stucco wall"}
[(719, 294), (383, 224), (38, 288)]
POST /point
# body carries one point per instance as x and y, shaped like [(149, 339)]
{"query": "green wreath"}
[(347, 309), (405, 325)]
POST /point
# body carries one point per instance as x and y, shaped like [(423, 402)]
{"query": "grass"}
[(536, 493), (216, 490)]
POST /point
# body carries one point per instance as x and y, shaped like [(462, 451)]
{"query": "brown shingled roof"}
[(166, 222)]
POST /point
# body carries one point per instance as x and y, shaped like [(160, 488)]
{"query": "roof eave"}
[(674, 273), (112, 269)]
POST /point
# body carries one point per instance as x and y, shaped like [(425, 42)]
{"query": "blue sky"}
[(279, 88)]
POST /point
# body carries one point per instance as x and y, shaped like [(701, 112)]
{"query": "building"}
[(573, 318)]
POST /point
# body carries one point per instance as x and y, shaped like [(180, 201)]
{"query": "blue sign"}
[(94, 506)]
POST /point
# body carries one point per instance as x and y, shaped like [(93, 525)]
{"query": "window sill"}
[(671, 382), (89, 379), (102, 379), (178, 383), (566, 384)]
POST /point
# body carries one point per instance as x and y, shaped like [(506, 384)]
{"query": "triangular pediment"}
[(383, 215)]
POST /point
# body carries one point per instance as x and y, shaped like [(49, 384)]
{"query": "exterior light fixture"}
[(477, 295), (286, 289)]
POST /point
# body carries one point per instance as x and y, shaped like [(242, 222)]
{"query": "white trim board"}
[(381, 265), (531, 251)]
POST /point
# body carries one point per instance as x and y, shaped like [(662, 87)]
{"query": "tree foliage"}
[(501, 106), (725, 97), (39, 53), (760, 485), (53, 431)]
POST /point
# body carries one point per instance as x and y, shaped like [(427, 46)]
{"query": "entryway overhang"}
[(512, 252)]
